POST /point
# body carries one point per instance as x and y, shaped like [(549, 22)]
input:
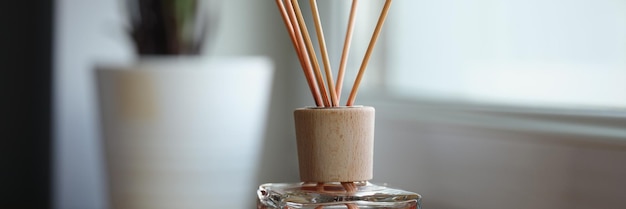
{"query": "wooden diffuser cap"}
[(335, 144)]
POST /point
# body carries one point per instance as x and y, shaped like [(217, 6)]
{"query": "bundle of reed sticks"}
[(325, 93)]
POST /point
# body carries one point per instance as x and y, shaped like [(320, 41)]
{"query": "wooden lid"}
[(335, 144)]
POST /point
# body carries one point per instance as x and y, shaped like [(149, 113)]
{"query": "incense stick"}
[(368, 53), (322, 43), (311, 50), (291, 25), (346, 50)]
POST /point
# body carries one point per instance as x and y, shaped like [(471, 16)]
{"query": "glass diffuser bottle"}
[(335, 155)]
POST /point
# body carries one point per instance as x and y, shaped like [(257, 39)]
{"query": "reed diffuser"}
[(335, 143)]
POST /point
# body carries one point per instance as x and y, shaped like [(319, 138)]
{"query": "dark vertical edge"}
[(26, 62)]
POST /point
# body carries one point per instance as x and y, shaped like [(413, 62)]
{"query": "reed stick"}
[(288, 25), (311, 50), (346, 49), (368, 53), (293, 30), (322, 43), (350, 188), (319, 187)]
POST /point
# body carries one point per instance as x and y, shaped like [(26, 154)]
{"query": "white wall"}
[(86, 32)]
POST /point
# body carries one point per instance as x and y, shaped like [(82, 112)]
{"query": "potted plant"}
[(169, 27), (180, 129)]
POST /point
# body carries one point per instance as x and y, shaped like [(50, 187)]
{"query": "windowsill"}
[(607, 127)]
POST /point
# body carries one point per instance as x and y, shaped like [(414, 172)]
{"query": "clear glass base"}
[(356, 195)]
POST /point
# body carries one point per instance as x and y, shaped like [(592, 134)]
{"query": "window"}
[(523, 52)]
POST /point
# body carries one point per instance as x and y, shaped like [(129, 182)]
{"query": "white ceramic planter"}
[(183, 132)]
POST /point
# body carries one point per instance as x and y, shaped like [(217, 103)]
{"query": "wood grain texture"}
[(335, 144)]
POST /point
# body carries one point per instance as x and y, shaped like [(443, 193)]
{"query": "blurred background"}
[(480, 104)]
